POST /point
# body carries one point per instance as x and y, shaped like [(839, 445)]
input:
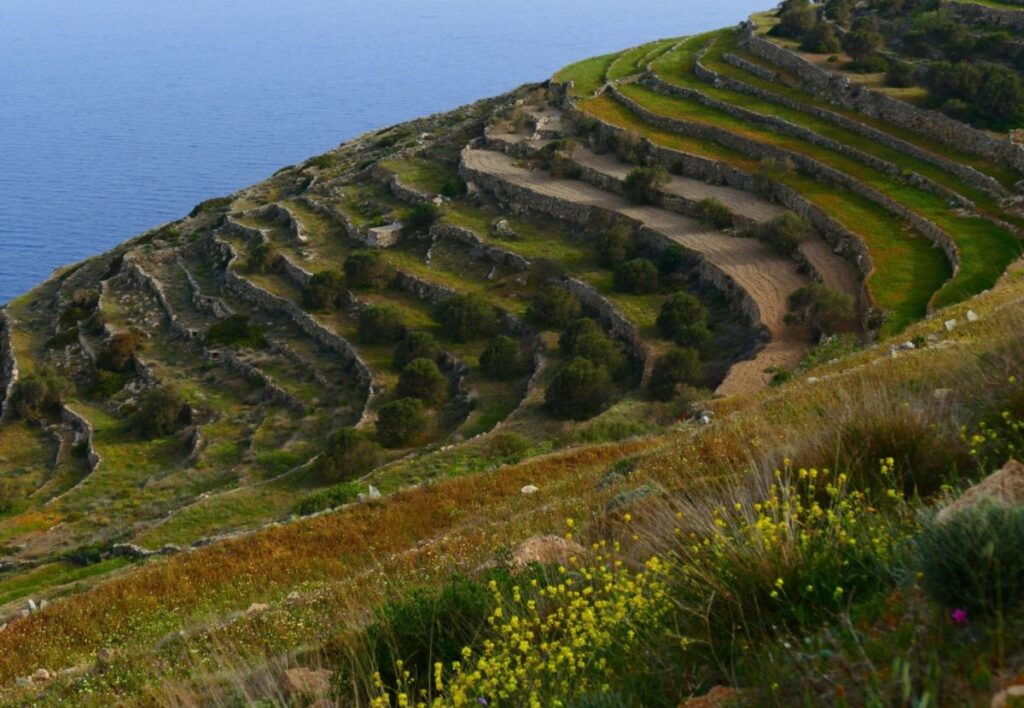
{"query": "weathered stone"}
[(529, 489), (256, 608), (950, 325), (545, 550), (1008, 697), (1003, 487), (41, 675), (972, 316)]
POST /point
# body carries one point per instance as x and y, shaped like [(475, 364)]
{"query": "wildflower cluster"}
[(553, 641), (994, 442)]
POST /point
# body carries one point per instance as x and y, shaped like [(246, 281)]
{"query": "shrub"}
[(453, 187), (162, 411), (900, 75), (349, 454), (675, 368), (973, 560), (821, 39), (684, 320), (325, 290), (616, 244), (863, 41), (553, 308), (796, 17), (467, 317), (714, 212), (380, 324), (671, 259), (118, 354), (368, 270), (423, 380), (263, 258), (637, 276), (415, 345), (420, 218), (237, 331), (501, 359), (576, 330), (11, 494), (601, 351), (785, 232), (824, 310), (329, 498), (402, 423), (108, 383), (578, 390), (643, 184), (507, 446), (38, 395)]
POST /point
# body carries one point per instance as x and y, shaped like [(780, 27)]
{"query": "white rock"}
[(1004, 697), (972, 316), (529, 489), (907, 346), (293, 596), (373, 492), (813, 379), (950, 325), (257, 607), (41, 675)]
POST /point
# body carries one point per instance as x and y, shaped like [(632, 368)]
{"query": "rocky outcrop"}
[(478, 248), (8, 365), (1003, 487), (843, 92)]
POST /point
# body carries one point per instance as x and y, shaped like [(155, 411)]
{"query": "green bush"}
[(553, 308), (672, 259), (637, 276), (236, 331), (673, 370), (714, 212), (380, 324), (423, 380), (368, 270), (420, 218), (118, 354), (162, 411), (415, 345), (824, 310), (325, 291), (263, 258), (616, 244), (38, 395), (864, 41), (601, 350), (821, 39), (577, 329), (578, 390), (643, 184), (508, 446), (785, 232), (11, 494), (453, 188), (684, 320), (402, 423), (796, 18), (973, 560), (329, 498), (465, 318), (349, 454), (108, 383), (501, 359)]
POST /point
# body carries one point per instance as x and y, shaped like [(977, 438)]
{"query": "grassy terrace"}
[(635, 60), (908, 270), (587, 75), (426, 175), (986, 249)]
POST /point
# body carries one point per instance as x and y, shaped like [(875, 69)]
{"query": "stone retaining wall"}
[(8, 364), (204, 303), (841, 91), (137, 275), (611, 319), (965, 172), (272, 390), (478, 248), (83, 431), (806, 165), (973, 13), (279, 214)]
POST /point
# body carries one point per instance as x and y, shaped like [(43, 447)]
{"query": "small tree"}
[(824, 310), (643, 184), (796, 17), (415, 345), (616, 244), (162, 411), (863, 41), (38, 395), (684, 320), (402, 423), (501, 359), (325, 291), (671, 259), (553, 308), (785, 232), (380, 324), (368, 270), (578, 390), (263, 258), (237, 331), (575, 331), (467, 317), (821, 39), (420, 218), (637, 276), (714, 212), (349, 455), (423, 380), (119, 353), (672, 370), (602, 351)]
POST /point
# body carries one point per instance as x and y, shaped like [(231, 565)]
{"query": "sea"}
[(120, 115)]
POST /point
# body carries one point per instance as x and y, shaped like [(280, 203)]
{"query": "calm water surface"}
[(119, 115)]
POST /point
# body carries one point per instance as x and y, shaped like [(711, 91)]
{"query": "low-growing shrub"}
[(577, 329), (616, 244), (415, 345), (420, 218), (714, 212), (162, 411), (380, 324), (423, 380), (467, 317), (821, 39), (553, 308), (237, 331), (785, 232), (453, 187), (11, 494), (402, 423), (578, 390), (673, 370), (643, 185), (118, 354), (263, 258), (368, 270), (684, 319), (349, 454), (329, 498), (672, 259), (326, 290), (38, 395), (824, 310), (509, 447), (601, 350), (637, 276), (502, 359)]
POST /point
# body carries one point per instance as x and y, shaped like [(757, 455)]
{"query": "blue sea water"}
[(119, 115)]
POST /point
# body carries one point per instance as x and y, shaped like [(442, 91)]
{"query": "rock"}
[(1008, 697), (502, 229), (43, 603), (717, 696), (907, 346), (544, 550), (105, 657), (256, 608), (1003, 487), (41, 675), (22, 681), (705, 417), (31, 606), (941, 394), (308, 683), (293, 596), (813, 379), (373, 492), (972, 316), (950, 325), (3, 627), (529, 489)]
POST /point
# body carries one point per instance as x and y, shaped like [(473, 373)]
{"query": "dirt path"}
[(766, 277)]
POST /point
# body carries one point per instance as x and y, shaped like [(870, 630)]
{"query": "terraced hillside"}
[(649, 236)]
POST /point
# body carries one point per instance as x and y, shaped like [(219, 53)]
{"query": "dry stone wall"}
[(974, 13), (478, 248), (613, 321), (8, 364), (84, 434)]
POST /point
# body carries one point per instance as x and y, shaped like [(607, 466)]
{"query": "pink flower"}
[(959, 616)]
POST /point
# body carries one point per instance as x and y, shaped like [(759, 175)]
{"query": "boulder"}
[(544, 550), (717, 696), (529, 489), (41, 675), (1012, 696), (1003, 487), (256, 608), (308, 683), (105, 657)]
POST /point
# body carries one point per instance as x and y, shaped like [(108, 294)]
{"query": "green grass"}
[(52, 575), (635, 60), (426, 175), (587, 75), (908, 270)]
